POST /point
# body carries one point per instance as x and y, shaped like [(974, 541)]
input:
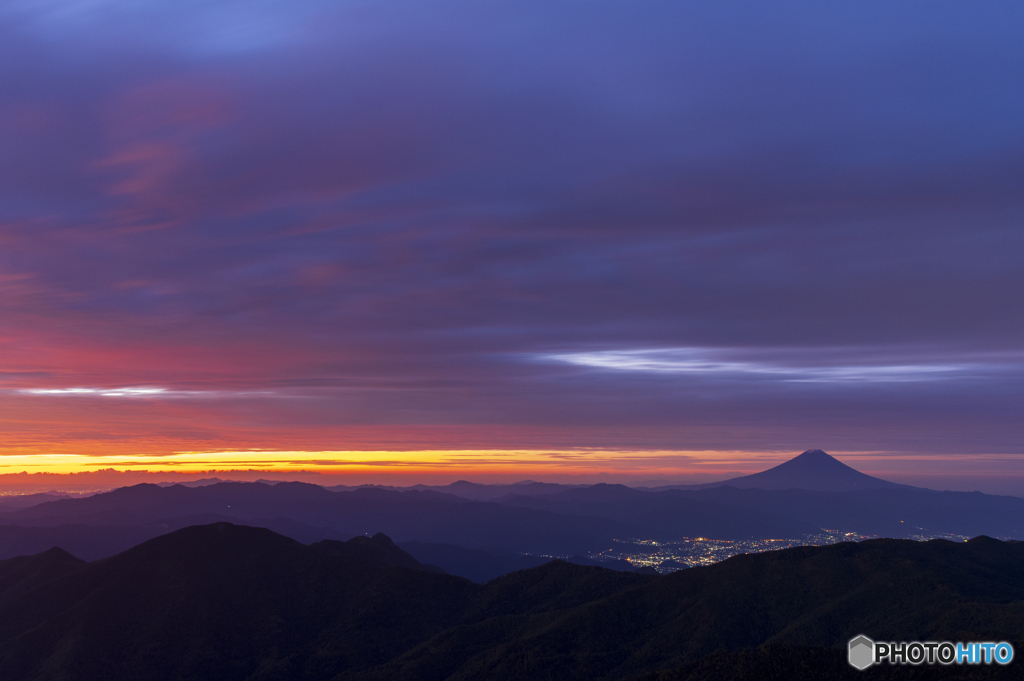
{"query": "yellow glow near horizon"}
[(525, 463), (22, 472), (434, 461)]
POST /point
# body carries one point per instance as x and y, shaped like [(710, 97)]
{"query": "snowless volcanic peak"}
[(813, 470)]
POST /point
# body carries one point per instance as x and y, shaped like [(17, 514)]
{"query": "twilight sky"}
[(513, 238)]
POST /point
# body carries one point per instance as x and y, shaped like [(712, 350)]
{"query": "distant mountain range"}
[(517, 524), (812, 470), (237, 603), (473, 490), (17, 502)]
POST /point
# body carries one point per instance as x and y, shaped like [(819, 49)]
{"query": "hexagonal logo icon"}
[(861, 652)]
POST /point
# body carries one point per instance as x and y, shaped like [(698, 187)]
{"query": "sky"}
[(580, 240)]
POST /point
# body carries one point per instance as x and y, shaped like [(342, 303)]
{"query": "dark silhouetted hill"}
[(225, 602), (405, 516), (804, 603), (477, 565), (378, 549), (94, 542), (230, 603), (21, 574)]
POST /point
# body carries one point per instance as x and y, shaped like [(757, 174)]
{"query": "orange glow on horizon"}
[(28, 472), (433, 461)]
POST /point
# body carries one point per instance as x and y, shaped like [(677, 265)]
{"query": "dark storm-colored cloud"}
[(397, 210)]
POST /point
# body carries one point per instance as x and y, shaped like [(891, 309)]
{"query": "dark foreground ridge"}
[(231, 602)]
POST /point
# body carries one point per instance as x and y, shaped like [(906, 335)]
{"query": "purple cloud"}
[(385, 207)]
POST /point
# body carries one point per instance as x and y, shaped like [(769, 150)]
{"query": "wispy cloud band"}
[(712, 362), (141, 392)]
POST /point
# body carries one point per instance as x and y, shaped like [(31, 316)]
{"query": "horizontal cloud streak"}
[(711, 361), (145, 393)]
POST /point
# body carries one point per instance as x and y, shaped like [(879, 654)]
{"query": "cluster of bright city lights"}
[(669, 556)]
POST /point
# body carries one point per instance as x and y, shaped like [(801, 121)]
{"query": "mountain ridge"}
[(233, 603)]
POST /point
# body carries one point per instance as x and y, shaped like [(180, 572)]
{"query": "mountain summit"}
[(813, 470)]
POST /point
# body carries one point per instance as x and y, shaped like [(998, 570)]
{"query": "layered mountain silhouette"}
[(522, 522), (814, 470), (406, 516), (230, 603), (17, 502), (472, 490)]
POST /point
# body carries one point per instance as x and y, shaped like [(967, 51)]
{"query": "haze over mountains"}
[(14, 503), (483, 538), (811, 470), (230, 603)]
